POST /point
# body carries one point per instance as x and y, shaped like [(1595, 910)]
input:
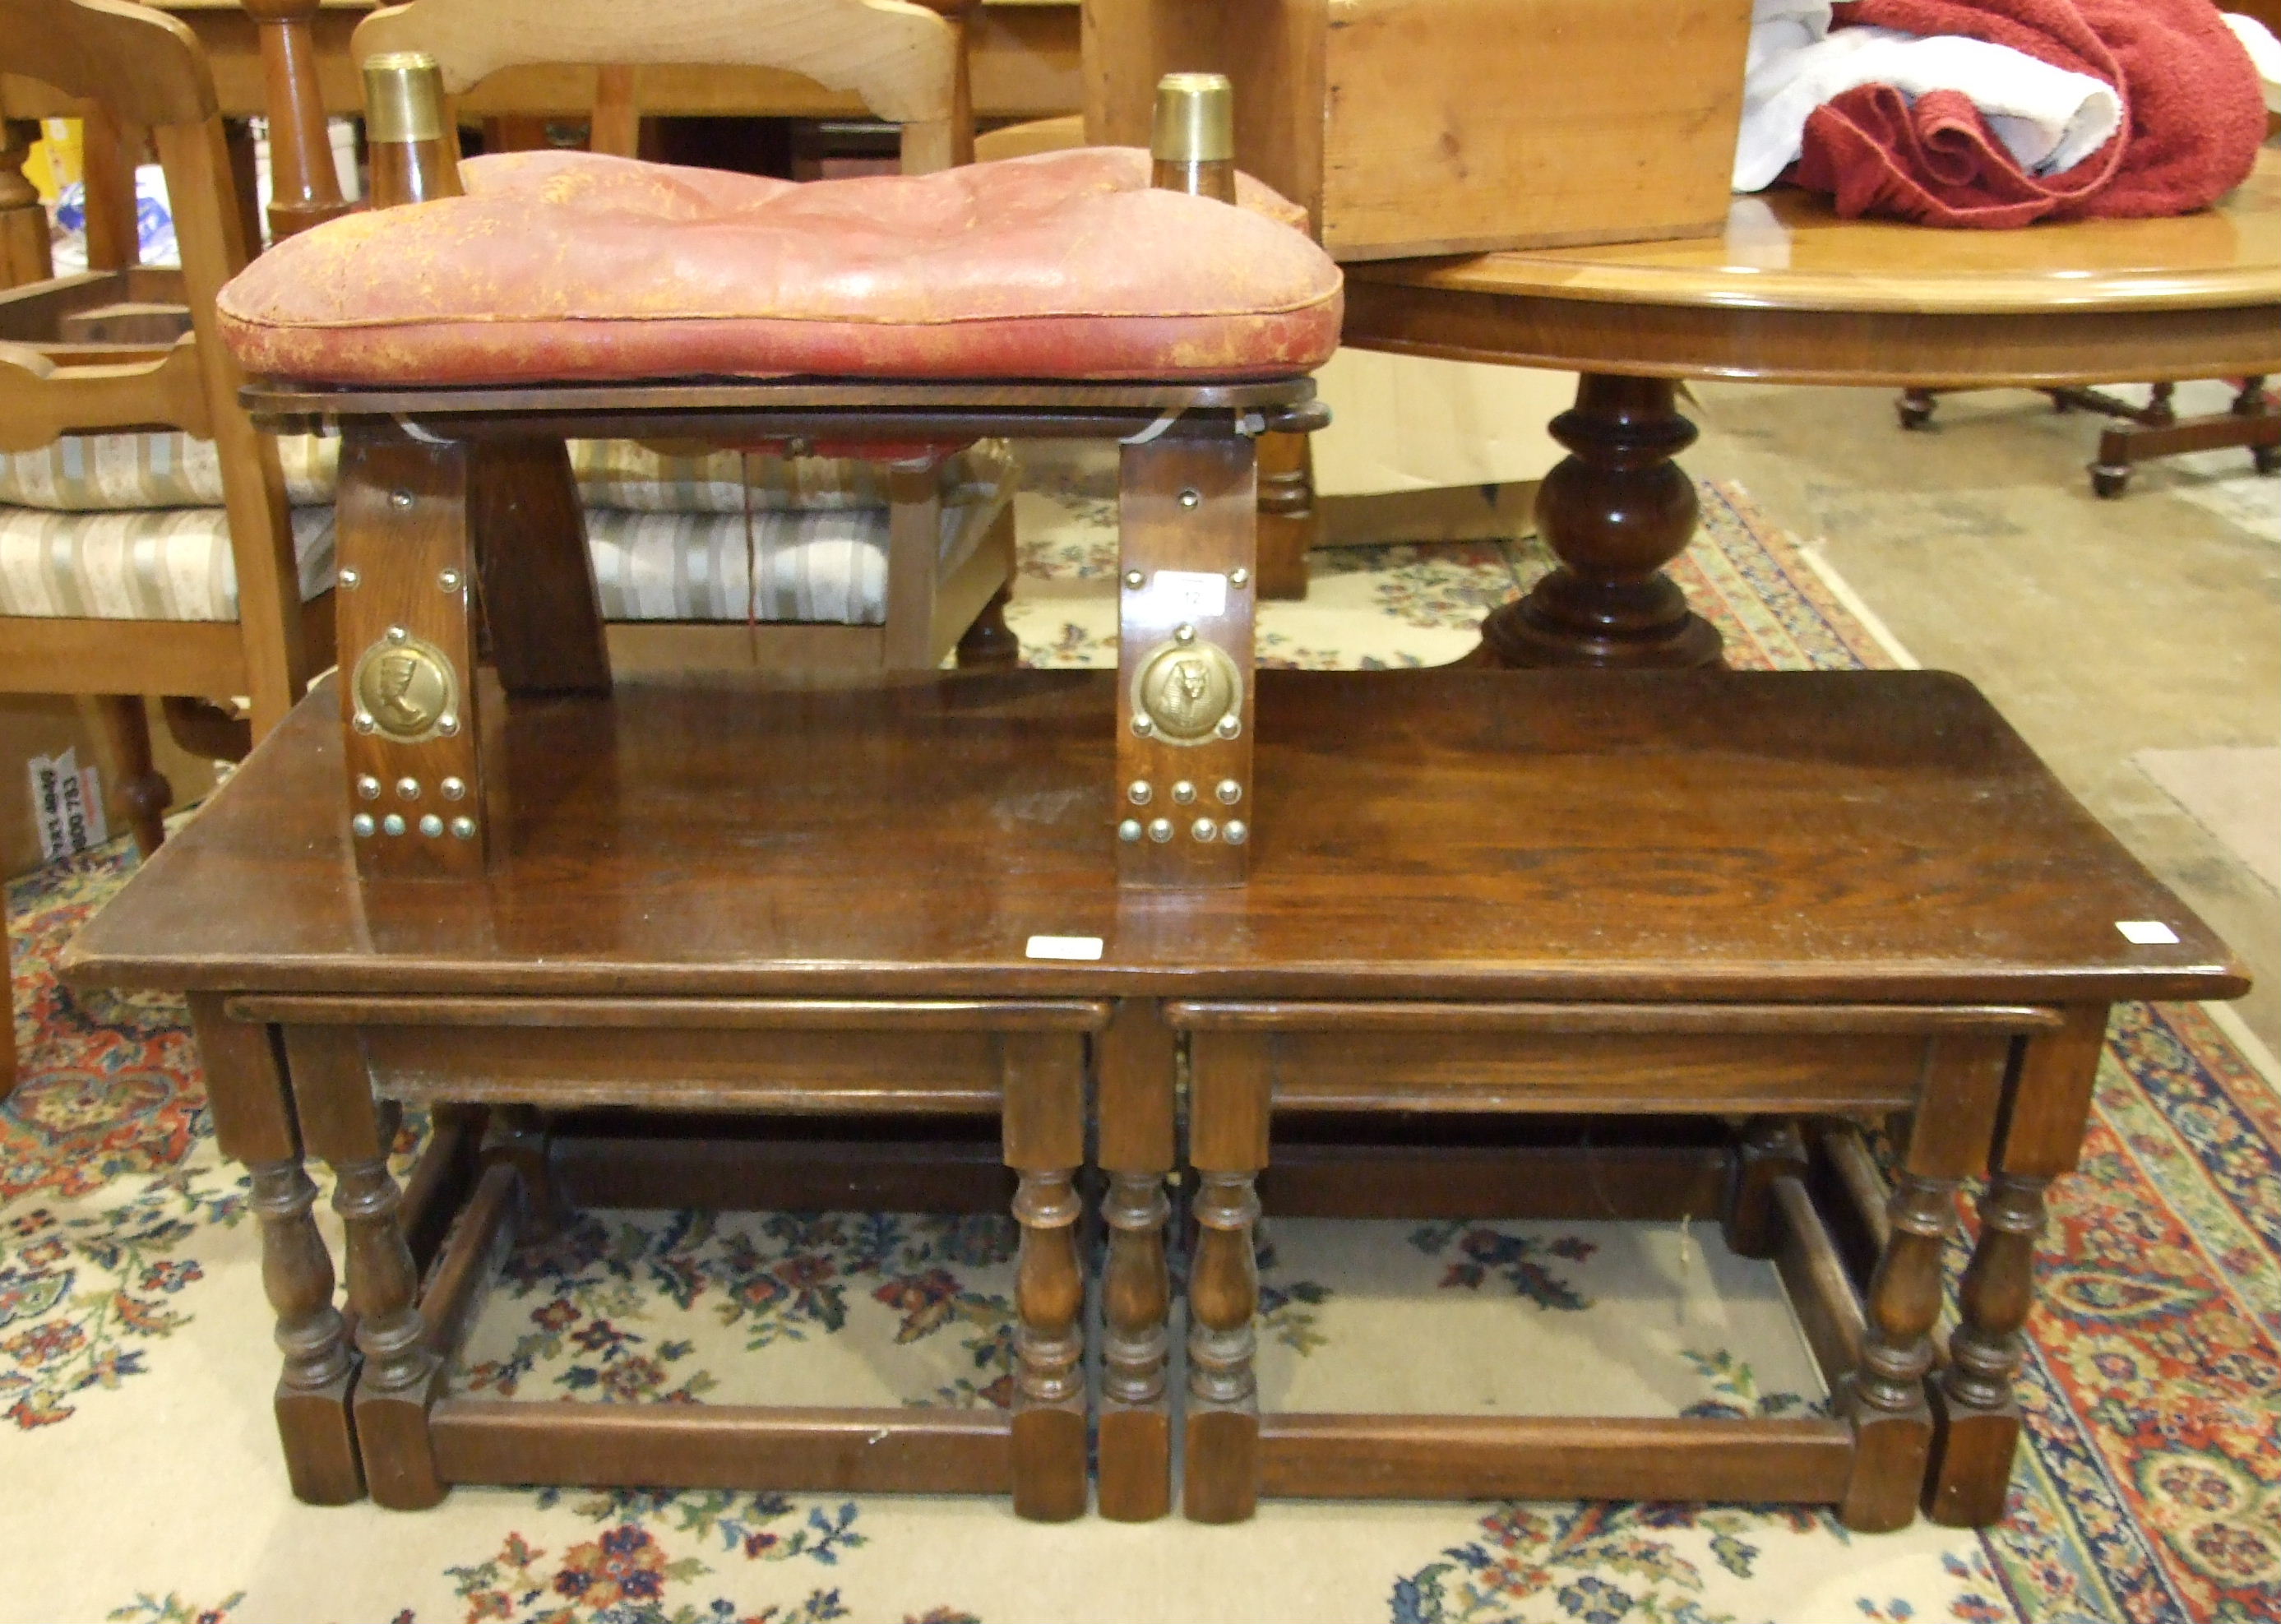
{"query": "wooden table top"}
[(1790, 291), (1446, 833)]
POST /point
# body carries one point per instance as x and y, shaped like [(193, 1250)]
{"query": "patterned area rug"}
[(142, 1482)]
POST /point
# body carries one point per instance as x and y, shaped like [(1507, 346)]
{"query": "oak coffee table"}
[(1776, 905)]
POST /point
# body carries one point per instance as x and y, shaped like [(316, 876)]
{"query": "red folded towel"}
[(2193, 115)]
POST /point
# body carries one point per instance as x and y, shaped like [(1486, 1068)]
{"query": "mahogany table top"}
[(1790, 291), (1596, 836)]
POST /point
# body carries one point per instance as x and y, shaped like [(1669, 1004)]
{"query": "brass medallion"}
[(408, 688), (1185, 689)]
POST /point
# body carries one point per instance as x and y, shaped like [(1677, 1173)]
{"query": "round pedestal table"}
[(1790, 293)]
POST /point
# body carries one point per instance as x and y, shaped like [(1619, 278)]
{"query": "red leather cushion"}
[(569, 265)]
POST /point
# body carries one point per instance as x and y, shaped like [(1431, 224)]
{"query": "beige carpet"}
[(2233, 792)]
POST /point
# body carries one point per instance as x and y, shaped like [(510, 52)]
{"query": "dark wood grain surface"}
[(1698, 836)]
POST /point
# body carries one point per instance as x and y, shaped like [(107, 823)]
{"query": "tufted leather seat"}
[(565, 266)]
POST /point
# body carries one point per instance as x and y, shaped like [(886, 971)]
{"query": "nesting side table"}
[(1785, 901)]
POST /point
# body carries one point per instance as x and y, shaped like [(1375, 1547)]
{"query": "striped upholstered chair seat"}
[(130, 527)]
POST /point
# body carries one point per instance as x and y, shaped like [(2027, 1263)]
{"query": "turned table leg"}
[(1136, 1150), (1045, 1144), (1288, 521), (1228, 1084), (345, 1124), (1885, 1398), (1976, 1419), (253, 1122), (1616, 510)]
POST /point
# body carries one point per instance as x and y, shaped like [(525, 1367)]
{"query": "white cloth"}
[(2048, 118), (2264, 51)]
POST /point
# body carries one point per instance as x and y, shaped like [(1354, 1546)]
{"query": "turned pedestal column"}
[(1615, 510)]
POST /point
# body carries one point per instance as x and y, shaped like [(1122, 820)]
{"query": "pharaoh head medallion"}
[(1185, 691), (407, 688)]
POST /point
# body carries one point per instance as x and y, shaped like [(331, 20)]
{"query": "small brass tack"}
[(1142, 725), (1239, 576), (454, 788), (363, 723), (432, 825), (449, 580), (349, 579), (362, 824), (1204, 829), (391, 825), (1229, 792), (1184, 792), (1160, 830), (367, 787), (399, 499), (448, 723), (1228, 726), (396, 634), (1190, 497), (407, 789), (1236, 833), (463, 827), (1184, 633), (1129, 831), (1138, 792), (1135, 579)]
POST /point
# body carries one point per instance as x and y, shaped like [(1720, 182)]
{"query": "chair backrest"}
[(902, 61), (145, 68)]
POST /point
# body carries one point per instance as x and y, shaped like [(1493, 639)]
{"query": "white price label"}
[(1065, 948), (1190, 594), (2146, 932)]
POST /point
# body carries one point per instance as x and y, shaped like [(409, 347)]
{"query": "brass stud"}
[(463, 827), (449, 580), (362, 722), (361, 824), (432, 826), (1129, 831), (1135, 579), (1142, 725), (1184, 633), (1138, 792), (396, 634), (1229, 792), (1184, 792), (1236, 833), (407, 789), (454, 788), (1229, 726), (448, 723), (391, 825), (1190, 497), (367, 787), (1204, 829), (348, 579), (399, 499), (1160, 829), (1239, 576)]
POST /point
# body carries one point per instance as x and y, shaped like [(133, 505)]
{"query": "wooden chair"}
[(98, 353), (946, 539)]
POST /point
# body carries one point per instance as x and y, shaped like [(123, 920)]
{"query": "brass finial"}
[(1196, 120), (403, 97)]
